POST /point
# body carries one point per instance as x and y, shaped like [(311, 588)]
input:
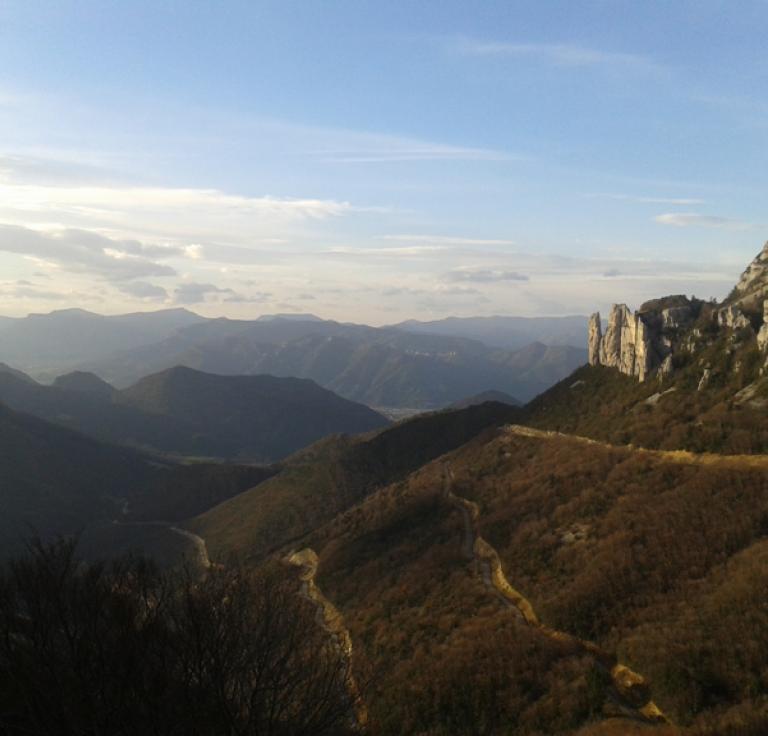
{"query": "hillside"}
[(7, 370), (55, 481), (185, 412), (42, 488), (498, 396), (599, 542), (260, 417)]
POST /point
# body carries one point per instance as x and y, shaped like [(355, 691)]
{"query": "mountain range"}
[(56, 342), (382, 367)]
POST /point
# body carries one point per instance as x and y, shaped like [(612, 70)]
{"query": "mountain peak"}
[(753, 283), (84, 382), (70, 312)]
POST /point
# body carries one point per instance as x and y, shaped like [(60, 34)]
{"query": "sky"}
[(378, 161)]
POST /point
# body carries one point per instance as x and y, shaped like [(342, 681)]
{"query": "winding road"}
[(629, 694), (675, 456), (331, 621)]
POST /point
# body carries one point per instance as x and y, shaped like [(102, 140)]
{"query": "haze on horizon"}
[(374, 162)]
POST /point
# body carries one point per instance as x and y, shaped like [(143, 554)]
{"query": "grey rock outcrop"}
[(762, 335), (676, 317), (753, 283), (594, 339), (626, 345), (665, 369), (643, 343), (732, 317), (704, 380)]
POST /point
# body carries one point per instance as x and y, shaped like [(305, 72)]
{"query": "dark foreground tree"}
[(122, 649)]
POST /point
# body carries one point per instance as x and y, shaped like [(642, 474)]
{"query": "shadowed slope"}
[(329, 477)]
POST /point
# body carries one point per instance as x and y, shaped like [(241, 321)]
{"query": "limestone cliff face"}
[(753, 284), (595, 339), (642, 344), (626, 345)]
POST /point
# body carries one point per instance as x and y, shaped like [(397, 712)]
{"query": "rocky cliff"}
[(645, 342), (641, 343)]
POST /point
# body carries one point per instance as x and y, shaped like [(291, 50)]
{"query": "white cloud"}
[(115, 199), (694, 219), (87, 252), (57, 194)]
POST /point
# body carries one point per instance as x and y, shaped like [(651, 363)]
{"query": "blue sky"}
[(373, 161)]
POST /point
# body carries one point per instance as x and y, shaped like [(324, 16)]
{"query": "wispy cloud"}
[(560, 54), (694, 219), (391, 252), (446, 240), (676, 201), (26, 291), (408, 152), (484, 276)]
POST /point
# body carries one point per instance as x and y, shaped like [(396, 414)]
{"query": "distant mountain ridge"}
[(187, 412), (383, 367), (396, 367), (55, 342), (507, 332)]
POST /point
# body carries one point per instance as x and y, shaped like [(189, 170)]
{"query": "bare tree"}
[(122, 649)]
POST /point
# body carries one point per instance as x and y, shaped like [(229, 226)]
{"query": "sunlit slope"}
[(655, 558), (726, 416)]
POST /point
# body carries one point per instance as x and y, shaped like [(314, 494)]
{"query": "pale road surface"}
[(675, 456), (331, 621)]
